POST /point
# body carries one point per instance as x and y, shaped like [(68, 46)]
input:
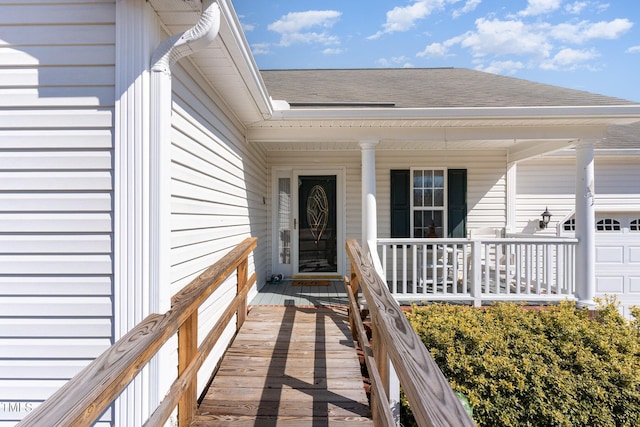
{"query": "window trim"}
[(445, 205), (608, 225)]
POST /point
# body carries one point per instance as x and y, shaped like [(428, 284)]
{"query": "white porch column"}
[(512, 194), (585, 224), (370, 233), (369, 217)]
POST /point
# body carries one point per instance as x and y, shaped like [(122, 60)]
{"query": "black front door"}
[(317, 237)]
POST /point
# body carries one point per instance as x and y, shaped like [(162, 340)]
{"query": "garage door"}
[(618, 257)]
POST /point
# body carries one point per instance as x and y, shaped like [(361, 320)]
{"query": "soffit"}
[(224, 63)]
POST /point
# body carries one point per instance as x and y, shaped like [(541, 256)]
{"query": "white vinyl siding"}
[(56, 194), (218, 187), (551, 182)]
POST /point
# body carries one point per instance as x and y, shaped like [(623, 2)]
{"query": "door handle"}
[(295, 222)]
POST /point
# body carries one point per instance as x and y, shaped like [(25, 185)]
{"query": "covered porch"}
[(484, 257), (457, 262)]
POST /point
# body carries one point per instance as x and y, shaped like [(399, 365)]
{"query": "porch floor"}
[(288, 366), (286, 294)]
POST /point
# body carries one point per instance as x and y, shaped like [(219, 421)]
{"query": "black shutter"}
[(400, 203), (457, 200)]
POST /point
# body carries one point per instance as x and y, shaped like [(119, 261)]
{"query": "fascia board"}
[(614, 114), (612, 152), (244, 60)]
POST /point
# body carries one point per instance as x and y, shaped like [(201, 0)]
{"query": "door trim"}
[(294, 172), (340, 218)]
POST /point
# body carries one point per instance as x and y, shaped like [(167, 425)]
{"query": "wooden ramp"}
[(288, 366)]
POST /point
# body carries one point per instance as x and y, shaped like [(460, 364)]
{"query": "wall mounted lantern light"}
[(546, 217)]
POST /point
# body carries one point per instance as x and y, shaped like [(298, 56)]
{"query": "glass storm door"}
[(317, 224)]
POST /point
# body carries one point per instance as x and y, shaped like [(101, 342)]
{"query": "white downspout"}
[(168, 53), (165, 56)]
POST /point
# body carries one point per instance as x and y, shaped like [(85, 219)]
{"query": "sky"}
[(588, 45)]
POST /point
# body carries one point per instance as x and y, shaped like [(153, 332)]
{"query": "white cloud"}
[(496, 37), (568, 59), (294, 27), (502, 67), (383, 62), (608, 30), (401, 61), (332, 51), (260, 48), (434, 50), (501, 40), (308, 38), (634, 49), (403, 18), (540, 7), (581, 32), (248, 27), (576, 8), (294, 22), (469, 6)]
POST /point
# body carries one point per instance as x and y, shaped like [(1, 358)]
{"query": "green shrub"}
[(551, 367)]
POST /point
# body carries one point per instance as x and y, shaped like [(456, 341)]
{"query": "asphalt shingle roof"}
[(420, 88), (622, 137), (434, 88)]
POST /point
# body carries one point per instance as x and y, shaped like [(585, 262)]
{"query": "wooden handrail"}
[(87, 395), (432, 400)]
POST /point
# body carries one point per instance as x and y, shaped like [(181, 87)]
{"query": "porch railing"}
[(432, 400), (87, 395), (479, 269)]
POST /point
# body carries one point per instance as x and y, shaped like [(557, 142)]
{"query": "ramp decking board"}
[(288, 366)]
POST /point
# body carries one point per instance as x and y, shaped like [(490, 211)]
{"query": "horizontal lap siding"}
[(551, 182), (218, 190), (486, 185), (56, 113)]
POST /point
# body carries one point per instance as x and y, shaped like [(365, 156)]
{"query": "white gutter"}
[(168, 53), (622, 114), (245, 62), (600, 152)]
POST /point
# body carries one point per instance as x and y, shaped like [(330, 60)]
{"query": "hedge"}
[(553, 367)]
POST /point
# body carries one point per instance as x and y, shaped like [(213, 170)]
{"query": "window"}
[(284, 220), (428, 203), (608, 224), (635, 225), (569, 225)]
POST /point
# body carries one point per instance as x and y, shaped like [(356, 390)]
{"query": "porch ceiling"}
[(413, 135)]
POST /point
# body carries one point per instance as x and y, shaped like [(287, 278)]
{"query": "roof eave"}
[(245, 61), (609, 114)]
